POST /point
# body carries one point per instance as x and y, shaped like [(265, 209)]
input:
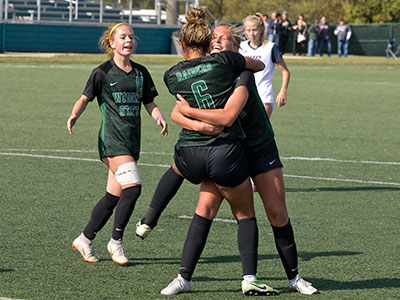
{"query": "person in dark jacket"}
[(324, 36), (286, 27)]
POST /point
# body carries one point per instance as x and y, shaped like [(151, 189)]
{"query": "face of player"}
[(252, 31), (222, 40), (122, 41)]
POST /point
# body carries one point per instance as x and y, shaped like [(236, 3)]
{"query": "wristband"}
[(160, 116)]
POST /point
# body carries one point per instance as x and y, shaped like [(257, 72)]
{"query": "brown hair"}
[(196, 32), (107, 36), (258, 19)]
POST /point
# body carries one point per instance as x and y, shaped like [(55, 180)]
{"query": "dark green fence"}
[(152, 39), (372, 39)]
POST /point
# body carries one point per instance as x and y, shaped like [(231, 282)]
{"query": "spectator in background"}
[(324, 36), (300, 36), (274, 25), (284, 32), (313, 31), (265, 19), (343, 33)]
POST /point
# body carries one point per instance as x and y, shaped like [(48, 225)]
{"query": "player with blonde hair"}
[(121, 86), (257, 47), (263, 160)]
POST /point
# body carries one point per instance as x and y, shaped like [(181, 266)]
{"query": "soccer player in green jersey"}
[(121, 87), (262, 156), (207, 82)]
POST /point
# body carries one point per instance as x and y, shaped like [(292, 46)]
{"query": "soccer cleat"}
[(142, 230), (298, 284), (84, 246), (178, 285), (117, 252), (256, 288)]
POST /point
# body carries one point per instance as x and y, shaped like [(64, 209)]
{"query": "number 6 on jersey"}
[(204, 101)]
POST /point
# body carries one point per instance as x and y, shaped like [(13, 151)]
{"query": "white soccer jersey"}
[(263, 78)]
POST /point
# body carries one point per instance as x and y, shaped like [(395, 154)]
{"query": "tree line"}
[(353, 11)]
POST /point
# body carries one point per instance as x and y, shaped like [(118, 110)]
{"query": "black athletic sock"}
[(194, 244), (286, 246), (248, 245), (100, 215), (166, 189), (124, 210)]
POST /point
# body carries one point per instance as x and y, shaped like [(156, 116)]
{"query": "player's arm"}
[(254, 65), (281, 97), (194, 125), (219, 117), (77, 110), (156, 114)]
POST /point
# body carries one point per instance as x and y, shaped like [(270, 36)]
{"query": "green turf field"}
[(339, 139)]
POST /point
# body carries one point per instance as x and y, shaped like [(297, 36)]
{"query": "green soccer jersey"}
[(120, 95), (253, 117), (206, 82)]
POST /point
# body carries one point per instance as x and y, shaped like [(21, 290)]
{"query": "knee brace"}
[(127, 173)]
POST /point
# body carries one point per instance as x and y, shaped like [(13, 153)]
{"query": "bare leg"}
[(271, 188)]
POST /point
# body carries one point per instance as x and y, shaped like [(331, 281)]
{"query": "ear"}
[(112, 44)]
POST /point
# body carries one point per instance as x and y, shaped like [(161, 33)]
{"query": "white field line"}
[(2, 298), (166, 166), (343, 180), (342, 160), (50, 150), (171, 154), (48, 156), (215, 219)]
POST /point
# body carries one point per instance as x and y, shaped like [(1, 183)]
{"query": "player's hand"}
[(208, 129), (71, 122), (164, 126), (281, 99), (182, 105)]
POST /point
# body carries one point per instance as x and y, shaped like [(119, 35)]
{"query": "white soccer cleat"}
[(117, 252), (298, 284), (178, 285), (84, 246), (142, 230)]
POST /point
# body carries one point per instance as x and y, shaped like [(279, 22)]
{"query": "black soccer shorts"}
[(264, 160), (223, 161)]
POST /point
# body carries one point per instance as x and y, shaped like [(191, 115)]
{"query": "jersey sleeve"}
[(276, 54), (233, 59), (94, 84), (246, 78), (166, 77), (149, 88)]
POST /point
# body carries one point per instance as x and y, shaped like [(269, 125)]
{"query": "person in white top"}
[(257, 47), (343, 32)]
